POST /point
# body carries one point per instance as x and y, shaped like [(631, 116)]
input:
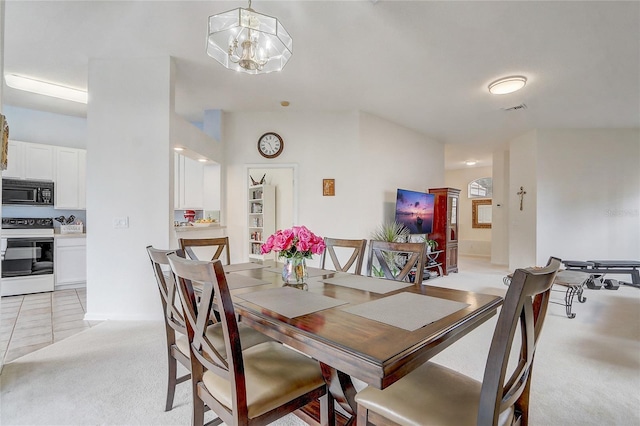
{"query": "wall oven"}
[(26, 253), (27, 192)]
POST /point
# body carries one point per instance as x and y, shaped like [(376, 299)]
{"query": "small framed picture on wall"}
[(328, 187)]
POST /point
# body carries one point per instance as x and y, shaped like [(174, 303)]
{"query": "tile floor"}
[(33, 321)]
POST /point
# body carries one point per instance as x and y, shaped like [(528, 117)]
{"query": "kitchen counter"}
[(198, 228), (78, 235)]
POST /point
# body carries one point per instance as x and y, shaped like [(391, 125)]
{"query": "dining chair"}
[(175, 328), (396, 260), (356, 249), (252, 387), (434, 394), (177, 343), (208, 248)]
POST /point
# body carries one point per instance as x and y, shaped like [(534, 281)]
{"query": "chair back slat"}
[(397, 260), (524, 308), (167, 288), (219, 244), (357, 254), (197, 311), (212, 277)]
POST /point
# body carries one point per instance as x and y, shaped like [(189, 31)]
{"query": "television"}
[(415, 211)]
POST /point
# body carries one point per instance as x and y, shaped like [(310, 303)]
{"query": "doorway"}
[(285, 178)]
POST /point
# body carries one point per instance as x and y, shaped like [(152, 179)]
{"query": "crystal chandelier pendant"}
[(247, 41)]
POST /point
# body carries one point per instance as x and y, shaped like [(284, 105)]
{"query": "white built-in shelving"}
[(261, 218)]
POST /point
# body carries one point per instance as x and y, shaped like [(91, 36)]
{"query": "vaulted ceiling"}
[(422, 64)]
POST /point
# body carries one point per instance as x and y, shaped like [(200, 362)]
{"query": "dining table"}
[(372, 329)]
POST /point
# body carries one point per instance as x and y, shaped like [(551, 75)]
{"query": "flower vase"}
[(294, 271)]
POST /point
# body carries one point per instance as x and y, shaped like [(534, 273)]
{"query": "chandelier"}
[(247, 41)]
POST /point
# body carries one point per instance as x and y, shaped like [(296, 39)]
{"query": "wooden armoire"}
[(445, 226)]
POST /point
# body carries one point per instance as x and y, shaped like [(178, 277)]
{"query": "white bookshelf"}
[(261, 218)]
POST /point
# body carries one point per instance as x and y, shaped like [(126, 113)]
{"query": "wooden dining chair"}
[(212, 247), (252, 387), (177, 343), (353, 248), (434, 394), (396, 260), (175, 328)]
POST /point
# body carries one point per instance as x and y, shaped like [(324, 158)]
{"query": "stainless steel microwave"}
[(27, 192)]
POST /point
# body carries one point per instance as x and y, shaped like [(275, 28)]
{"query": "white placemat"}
[(235, 281), (291, 302), (374, 285), (242, 267), (408, 311)]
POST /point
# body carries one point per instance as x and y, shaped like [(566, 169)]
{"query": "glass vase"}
[(294, 271)]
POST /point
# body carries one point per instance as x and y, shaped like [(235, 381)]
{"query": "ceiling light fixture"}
[(247, 41), (178, 148), (470, 163), (44, 88), (507, 85)]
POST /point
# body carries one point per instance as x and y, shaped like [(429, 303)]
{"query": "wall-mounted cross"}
[(521, 194)]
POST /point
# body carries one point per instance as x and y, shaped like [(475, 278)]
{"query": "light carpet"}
[(587, 369)]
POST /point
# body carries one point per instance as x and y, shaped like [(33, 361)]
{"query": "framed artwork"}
[(481, 213), (328, 187), (4, 139)]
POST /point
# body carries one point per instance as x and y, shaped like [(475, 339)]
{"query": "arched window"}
[(481, 188)]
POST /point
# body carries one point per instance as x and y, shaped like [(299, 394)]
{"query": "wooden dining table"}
[(367, 328)]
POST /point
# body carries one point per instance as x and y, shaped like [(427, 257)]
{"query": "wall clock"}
[(270, 145)]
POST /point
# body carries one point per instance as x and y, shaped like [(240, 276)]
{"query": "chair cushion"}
[(248, 337), (274, 375), (430, 395)]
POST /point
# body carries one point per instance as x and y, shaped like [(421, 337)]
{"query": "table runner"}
[(291, 302), (408, 311), (374, 285), (242, 267)]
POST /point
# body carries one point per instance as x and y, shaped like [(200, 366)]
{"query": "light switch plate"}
[(121, 222)]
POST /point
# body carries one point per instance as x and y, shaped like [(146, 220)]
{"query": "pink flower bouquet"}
[(297, 242)]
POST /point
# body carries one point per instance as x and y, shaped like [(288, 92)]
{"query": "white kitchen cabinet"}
[(15, 160), (70, 170), (70, 257), (189, 183), (39, 161), (29, 161)]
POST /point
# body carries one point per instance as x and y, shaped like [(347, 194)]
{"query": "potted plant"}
[(392, 232), (432, 245)]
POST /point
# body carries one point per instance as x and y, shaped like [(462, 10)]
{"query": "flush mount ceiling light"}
[(470, 162), (247, 41), (507, 85), (44, 88)]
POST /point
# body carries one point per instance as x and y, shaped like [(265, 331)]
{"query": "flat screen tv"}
[(415, 210)]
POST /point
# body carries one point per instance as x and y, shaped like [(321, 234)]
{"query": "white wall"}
[(588, 194), (369, 159), (129, 174), (471, 241), (46, 128), (522, 223), (500, 208)]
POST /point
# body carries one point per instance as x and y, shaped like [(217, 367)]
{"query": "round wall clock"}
[(270, 145)]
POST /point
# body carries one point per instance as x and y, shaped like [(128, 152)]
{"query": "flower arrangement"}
[(294, 243)]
